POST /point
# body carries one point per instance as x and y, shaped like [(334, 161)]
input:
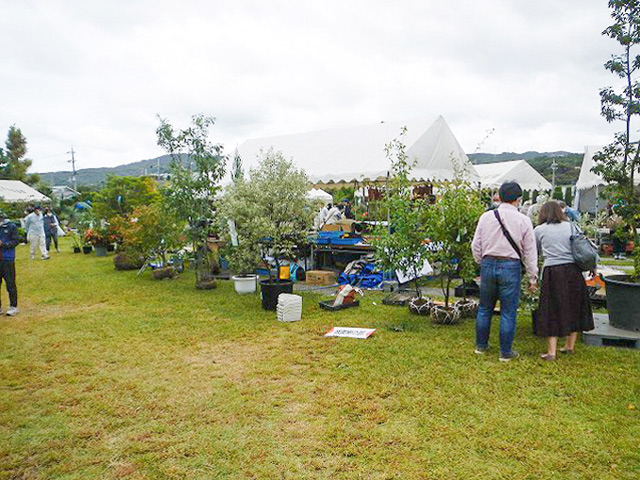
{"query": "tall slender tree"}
[(619, 162), (13, 164), (190, 194)]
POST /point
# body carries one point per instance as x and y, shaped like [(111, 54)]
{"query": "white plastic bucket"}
[(245, 284)]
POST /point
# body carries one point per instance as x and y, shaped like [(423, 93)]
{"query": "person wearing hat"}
[(8, 242), (34, 224), (502, 244)]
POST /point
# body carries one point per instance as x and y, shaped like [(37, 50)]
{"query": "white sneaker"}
[(11, 311)]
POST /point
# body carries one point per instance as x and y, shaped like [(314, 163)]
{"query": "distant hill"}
[(97, 176), (568, 164), (566, 173)]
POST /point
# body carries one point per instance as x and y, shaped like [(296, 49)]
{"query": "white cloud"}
[(95, 74)]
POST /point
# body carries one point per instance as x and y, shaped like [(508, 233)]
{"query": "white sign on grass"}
[(350, 332)]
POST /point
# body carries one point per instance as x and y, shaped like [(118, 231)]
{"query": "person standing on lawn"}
[(34, 224), (503, 242), (51, 229), (8, 242), (564, 308)]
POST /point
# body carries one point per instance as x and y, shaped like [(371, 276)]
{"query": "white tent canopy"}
[(587, 179), (589, 183), (492, 175), (16, 191), (358, 153), (319, 194)]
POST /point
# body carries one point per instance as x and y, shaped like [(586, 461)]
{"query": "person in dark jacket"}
[(51, 225), (8, 242)]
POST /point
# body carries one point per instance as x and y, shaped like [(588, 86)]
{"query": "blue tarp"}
[(365, 278)]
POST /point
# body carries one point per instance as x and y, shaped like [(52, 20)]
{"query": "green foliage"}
[(282, 213), (557, 193), (150, 230), (13, 164), (568, 196), (402, 244), (121, 195), (342, 193), (191, 193), (451, 223), (619, 162), (567, 167), (237, 173), (240, 210)]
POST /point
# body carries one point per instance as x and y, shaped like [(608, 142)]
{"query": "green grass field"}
[(107, 375)]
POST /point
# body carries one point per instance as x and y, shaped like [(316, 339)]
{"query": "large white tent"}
[(358, 153), (16, 191), (492, 175)]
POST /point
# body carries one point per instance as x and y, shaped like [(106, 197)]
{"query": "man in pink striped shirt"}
[(501, 261)]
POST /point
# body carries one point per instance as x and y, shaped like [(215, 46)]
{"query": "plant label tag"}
[(350, 332)]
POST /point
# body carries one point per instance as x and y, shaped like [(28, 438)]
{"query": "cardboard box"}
[(334, 227), (321, 277)]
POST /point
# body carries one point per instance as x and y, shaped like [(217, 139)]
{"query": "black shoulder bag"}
[(509, 237)]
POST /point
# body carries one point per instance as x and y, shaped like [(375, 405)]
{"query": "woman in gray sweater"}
[(564, 308)]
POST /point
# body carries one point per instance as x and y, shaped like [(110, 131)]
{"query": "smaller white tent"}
[(12, 191), (492, 175), (319, 194), (589, 184)]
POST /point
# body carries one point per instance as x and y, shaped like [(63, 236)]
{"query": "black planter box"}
[(473, 290)]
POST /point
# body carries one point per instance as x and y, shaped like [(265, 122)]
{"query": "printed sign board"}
[(350, 332)]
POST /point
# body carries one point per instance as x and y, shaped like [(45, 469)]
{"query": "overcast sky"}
[(94, 75)]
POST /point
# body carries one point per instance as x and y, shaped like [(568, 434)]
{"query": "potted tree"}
[(149, 232), (450, 224), (619, 162), (281, 219), (242, 226), (196, 169), (400, 245), (99, 238)]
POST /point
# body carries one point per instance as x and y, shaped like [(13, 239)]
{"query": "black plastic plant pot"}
[(271, 289), (86, 249), (77, 250), (623, 302)]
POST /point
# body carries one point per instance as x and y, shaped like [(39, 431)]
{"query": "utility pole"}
[(554, 166), (73, 169)]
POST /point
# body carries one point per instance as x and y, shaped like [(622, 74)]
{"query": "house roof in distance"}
[(63, 191), (357, 153)]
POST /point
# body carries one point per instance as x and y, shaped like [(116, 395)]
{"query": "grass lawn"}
[(627, 262), (107, 375)]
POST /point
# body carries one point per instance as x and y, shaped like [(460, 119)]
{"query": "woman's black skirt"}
[(564, 303)]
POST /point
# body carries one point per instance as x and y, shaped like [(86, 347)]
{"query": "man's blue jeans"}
[(500, 280)]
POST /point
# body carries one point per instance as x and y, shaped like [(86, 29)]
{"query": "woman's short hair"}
[(551, 212)]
